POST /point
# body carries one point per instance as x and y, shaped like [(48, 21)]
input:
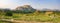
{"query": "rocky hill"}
[(25, 8)]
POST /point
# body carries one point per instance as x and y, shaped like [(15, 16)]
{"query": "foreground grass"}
[(32, 17)]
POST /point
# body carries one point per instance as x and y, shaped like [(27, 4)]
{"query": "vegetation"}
[(32, 15), (36, 16), (8, 13)]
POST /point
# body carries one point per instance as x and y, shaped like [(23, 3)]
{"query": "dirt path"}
[(15, 21), (30, 22), (18, 21)]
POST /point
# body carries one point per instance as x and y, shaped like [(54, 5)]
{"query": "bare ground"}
[(18, 21), (30, 22)]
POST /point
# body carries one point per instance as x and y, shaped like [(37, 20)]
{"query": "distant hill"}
[(25, 8)]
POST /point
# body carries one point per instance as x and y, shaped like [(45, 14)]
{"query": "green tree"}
[(8, 13)]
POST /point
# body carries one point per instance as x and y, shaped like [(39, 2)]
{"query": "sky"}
[(36, 4)]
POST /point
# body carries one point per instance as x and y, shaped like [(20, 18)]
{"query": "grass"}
[(33, 17)]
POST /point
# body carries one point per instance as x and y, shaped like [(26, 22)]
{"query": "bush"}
[(8, 13)]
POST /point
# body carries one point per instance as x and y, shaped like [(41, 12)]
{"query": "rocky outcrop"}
[(25, 8)]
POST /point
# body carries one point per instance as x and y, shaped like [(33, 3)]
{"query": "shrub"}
[(8, 13)]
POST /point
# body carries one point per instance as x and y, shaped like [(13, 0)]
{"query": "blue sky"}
[(37, 4)]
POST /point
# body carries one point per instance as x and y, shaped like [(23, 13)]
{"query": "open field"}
[(41, 17)]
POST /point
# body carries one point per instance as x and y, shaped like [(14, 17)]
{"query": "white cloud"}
[(3, 3)]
